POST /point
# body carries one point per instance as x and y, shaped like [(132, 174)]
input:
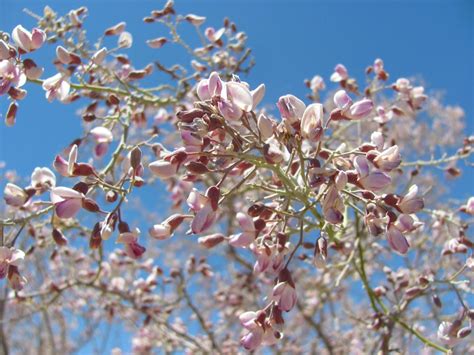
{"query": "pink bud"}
[(14, 195), (157, 42), (195, 19), (161, 231), (163, 169), (397, 240), (360, 109)]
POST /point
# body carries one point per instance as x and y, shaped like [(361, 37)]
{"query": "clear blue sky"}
[(291, 40)]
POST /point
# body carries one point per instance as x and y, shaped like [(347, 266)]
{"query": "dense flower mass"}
[(303, 226)]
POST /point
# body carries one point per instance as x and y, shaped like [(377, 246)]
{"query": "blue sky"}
[(291, 41)]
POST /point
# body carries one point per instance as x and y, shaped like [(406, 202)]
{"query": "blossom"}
[(102, 136), (28, 41), (448, 333), (67, 202), (291, 108), (340, 74), (317, 84), (14, 195), (56, 87), (130, 241), (284, 295), (66, 168), (249, 233), (411, 203), (469, 206), (388, 159), (356, 110), (274, 151), (342, 100), (312, 122), (213, 35), (43, 179), (369, 178), (333, 206), (9, 257), (196, 20), (205, 207), (10, 76)]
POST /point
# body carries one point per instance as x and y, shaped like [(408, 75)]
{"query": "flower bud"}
[(59, 237), (210, 241)]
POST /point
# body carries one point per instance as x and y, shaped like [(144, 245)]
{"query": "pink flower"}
[(253, 339), (102, 136), (164, 230), (274, 151), (10, 76), (249, 233), (342, 100), (312, 122), (14, 195), (66, 168), (56, 87), (132, 248), (387, 160), (253, 321), (235, 99), (9, 257), (333, 206), (196, 20), (317, 84), (205, 211), (340, 73), (67, 202), (382, 115), (410, 203), (469, 206), (378, 66), (448, 333), (291, 108), (28, 41), (43, 179), (284, 295), (213, 35), (370, 179)]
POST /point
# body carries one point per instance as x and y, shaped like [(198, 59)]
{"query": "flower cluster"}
[(286, 220)]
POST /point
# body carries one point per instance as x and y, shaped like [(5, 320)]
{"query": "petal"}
[(240, 95), (68, 208)]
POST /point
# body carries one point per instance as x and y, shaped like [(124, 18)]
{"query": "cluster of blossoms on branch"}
[(298, 202)]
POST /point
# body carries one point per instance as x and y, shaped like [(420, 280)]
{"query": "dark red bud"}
[(83, 169), (81, 187), (90, 205), (59, 238), (213, 193)]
